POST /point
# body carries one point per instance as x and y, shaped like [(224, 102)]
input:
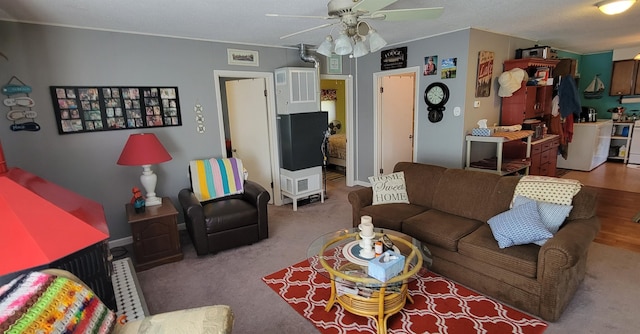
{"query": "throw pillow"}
[(518, 226), (547, 189), (389, 189), (552, 215)]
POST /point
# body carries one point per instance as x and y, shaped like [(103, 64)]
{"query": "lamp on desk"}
[(144, 149)]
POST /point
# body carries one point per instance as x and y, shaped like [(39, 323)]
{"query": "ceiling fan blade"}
[(408, 14), (371, 6), (300, 16), (307, 30)]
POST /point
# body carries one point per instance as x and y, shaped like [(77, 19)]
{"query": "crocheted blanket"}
[(214, 178), (42, 303)]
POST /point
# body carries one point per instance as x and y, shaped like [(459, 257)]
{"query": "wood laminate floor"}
[(618, 202)]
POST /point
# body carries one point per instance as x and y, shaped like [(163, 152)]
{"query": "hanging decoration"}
[(20, 105)]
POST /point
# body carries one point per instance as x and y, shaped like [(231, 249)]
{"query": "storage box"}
[(386, 266)]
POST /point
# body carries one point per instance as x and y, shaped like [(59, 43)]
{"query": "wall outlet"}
[(476, 104)]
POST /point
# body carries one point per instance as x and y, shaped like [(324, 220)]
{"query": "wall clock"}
[(436, 96)]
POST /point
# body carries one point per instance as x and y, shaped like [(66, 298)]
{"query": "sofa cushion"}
[(465, 193), (481, 246), (389, 189), (391, 215), (421, 181), (439, 228), (229, 214), (518, 226), (547, 189)]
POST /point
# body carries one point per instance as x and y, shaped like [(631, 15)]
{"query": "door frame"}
[(377, 110), (348, 87), (271, 120)]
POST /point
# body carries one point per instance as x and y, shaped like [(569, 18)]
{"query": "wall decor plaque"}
[(393, 58), (99, 108)]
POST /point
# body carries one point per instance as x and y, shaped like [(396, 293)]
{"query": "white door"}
[(397, 100), (248, 127)]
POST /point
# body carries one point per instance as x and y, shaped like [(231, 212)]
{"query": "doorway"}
[(395, 109), (344, 114), (249, 129)]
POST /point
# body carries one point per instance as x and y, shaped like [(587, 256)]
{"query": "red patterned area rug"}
[(440, 306)]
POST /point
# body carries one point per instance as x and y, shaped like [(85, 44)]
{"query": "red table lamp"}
[(144, 149)]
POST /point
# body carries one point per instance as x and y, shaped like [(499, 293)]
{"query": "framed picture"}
[(485, 73), (334, 64), (91, 109), (430, 65), (242, 57), (449, 68)]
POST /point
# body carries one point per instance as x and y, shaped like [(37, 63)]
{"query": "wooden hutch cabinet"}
[(625, 78), (528, 101)]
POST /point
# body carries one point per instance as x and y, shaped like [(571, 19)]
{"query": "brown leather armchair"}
[(226, 222)]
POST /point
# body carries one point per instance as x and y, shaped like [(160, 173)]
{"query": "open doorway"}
[(395, 108), (337, 100), (247, 120)]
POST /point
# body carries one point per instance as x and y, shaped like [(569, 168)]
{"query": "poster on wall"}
[(485, 73), (394, 58), (89, 109), (448, 68), (430, 67)]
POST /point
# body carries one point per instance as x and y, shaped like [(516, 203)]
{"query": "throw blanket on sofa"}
[(215, 178), (42, 303)]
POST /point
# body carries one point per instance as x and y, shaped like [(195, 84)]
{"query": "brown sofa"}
[(449, 210)]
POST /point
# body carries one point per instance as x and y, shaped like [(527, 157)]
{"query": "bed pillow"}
[(518, 226), (547, 189), (389, 188)]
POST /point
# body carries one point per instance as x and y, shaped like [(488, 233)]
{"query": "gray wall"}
[(44, 56), (441, 143)]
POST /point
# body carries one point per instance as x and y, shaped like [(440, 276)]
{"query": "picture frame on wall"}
[(89, 109), (334, 64), (485, 73), (242, 57)]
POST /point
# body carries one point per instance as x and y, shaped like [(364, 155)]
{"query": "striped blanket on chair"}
[(215, 178)]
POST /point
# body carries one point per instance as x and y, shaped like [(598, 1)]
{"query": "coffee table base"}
[(380, 305)]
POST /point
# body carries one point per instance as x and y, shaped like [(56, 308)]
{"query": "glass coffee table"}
[(336, 255)]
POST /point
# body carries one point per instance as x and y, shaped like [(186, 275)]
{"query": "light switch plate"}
[(476, 104), (456, 111)]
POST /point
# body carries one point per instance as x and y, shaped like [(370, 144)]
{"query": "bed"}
[(337, 154)]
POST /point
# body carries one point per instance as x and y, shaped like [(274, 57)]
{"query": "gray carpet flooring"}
[(605, 302)]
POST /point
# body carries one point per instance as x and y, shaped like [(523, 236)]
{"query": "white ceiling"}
[(570, 25)]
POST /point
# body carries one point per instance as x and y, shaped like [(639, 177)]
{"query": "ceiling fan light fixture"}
[(343, 45), (376, 42), (612, 7), (360, 49), (326, 47)]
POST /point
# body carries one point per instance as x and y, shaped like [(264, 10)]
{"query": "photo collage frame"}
[(88, 109)]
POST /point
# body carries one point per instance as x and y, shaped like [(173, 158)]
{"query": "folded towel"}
[(215, 178)]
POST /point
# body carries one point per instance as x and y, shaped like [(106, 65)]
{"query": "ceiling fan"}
[(350, 15)]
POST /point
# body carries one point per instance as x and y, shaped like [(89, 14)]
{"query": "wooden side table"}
[(155, 234)]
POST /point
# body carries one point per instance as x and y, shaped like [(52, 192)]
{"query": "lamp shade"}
[(326, 47), (360, 49), (343, 45), (376, 42), (143, 149), (612, 7)]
